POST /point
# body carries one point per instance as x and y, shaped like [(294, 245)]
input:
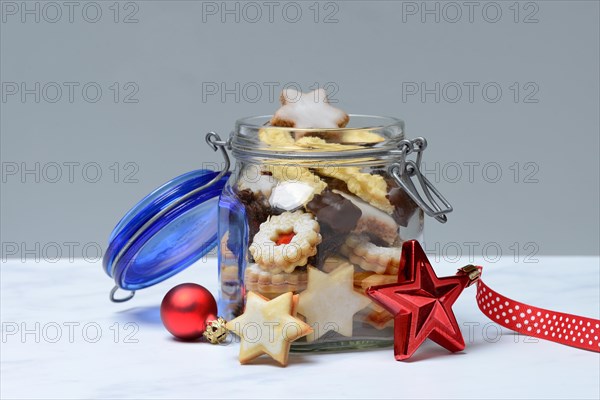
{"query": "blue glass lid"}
[(166, 231)]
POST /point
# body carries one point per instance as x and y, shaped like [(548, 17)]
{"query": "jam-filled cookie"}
[(286, 241)]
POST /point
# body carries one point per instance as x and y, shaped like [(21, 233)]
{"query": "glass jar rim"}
[(391, 121), (245, 143)]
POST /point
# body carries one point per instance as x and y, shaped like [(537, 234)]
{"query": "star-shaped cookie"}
[(330, 302), (268, 327), (308, 110)]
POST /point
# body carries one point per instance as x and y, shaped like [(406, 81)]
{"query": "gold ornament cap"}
[(216, 332), (472, 272)]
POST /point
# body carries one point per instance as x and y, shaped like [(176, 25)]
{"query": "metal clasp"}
[(214, 141), (115, 299), (404, 170)]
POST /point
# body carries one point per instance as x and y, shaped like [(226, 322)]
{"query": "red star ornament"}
[(421, 303)]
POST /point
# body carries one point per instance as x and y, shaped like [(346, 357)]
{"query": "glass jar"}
[(316, 198), (300, 206)]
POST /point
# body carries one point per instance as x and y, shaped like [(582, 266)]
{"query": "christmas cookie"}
[(226, 253), (404, 206), (257, 181), (337, 216), (276, 138), (276, 324), (359, 276), (346, 139), (330, 301), (290, 196), (373, 221), (280, 139), (378, 317), (334, 212), (317, 143), (365, 279), (376, 280), (229, 273), (308, 110), (381, 260), (230, 287), (371, 188), (333, 262), (268, 284), (257, 211), (285, 241), (295, 173), (361, 136)]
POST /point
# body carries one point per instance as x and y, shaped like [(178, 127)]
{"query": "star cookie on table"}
[(268, 327), (308, 110), (330, 302)]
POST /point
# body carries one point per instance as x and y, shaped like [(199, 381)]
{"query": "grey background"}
[(367, 56)]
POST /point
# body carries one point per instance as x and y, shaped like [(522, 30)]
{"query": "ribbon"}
[(568, 329)]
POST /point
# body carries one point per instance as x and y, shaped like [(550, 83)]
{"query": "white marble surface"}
[(156, 366)]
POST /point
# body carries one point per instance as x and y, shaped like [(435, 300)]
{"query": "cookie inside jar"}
[(312, 209)]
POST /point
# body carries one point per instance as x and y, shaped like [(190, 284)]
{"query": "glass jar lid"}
[(165, 232)]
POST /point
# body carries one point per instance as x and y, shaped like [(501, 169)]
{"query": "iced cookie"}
[(373, 221), (381, 260), (308, 110), (295, 173), (268, 284), (290, 196), (257, 181), (285, 241)]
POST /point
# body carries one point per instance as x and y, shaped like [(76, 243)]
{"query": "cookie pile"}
[(326, 233)]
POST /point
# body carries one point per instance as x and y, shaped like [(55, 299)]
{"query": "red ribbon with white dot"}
[(568, 329)]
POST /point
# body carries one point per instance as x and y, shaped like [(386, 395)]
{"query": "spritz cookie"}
[(269, 284), (370, 257)]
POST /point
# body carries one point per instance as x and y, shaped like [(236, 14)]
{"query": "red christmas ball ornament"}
[(187, 309)]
